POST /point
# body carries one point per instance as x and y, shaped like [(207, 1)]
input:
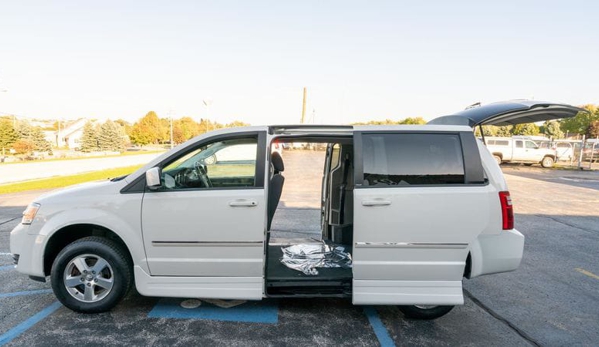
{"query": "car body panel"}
[(211, 242)]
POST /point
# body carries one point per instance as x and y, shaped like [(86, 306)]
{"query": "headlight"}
[(30, 213)]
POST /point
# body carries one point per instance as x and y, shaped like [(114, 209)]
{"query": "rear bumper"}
[(496, 253)]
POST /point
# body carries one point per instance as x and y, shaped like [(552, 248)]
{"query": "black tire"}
[(425, 312), (116, 273)]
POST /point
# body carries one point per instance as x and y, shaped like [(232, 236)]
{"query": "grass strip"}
[(124, 154), (63, 181)]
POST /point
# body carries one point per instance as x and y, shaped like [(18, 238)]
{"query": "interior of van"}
[(332, 234)]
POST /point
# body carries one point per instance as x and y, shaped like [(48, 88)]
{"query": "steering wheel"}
[(202, 174)]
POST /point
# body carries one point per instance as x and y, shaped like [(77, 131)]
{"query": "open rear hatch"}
[(509, 113)]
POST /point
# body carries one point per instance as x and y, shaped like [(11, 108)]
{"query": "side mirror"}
[(153, 178)]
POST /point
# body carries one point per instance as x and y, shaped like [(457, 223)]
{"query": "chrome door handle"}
[(243, 203), (376, 202)]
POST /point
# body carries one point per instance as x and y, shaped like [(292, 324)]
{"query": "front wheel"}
[(424, 311), (547, 162), (91, 275)]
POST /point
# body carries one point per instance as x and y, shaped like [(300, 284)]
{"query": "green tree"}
[(110, 137), (582, 121), (503, 131), (207, 125), (189, 127), (38, 138), (147, 130), (8, 134), (488, 130), (89, 139), (125, 125), (25, 130), (413, 120), (526, 129), (236, 123), (552, 129)]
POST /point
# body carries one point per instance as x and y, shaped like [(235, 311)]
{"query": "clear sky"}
[(359, 60)]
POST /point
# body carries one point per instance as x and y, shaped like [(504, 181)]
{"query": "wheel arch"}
[(71, 233)]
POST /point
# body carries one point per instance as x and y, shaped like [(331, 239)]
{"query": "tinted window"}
[(502, 143), (405, 159), (519, 144)]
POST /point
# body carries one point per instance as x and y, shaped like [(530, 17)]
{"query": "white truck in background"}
[(520, 149)]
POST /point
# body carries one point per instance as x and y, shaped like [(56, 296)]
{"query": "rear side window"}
[(408, 159), (502, 143)]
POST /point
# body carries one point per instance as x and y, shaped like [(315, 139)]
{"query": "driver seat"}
[(275, 187)]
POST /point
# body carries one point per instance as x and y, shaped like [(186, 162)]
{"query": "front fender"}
[(129, 230)]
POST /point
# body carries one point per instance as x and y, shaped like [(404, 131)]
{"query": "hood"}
[(79, 189)]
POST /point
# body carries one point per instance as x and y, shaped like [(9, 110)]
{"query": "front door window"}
[(222, 164)]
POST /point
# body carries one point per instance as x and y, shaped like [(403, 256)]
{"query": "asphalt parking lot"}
[(551, 300)]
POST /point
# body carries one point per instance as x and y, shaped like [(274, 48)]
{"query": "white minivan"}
[(407, 213)]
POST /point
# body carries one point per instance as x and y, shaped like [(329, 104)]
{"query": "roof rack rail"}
[(311, 128)]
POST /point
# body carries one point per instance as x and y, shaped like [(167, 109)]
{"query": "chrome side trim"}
[(410, 245), (207, 243)]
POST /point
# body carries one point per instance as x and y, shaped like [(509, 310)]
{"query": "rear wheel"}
[(497, 159), (425, 312), (547, 162), (91, 275)]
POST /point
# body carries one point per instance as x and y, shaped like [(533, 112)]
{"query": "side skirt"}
[(245, 288), (373, 292)]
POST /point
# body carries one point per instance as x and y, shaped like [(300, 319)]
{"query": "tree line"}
[(149, 130), (584, 123), (22, 137)]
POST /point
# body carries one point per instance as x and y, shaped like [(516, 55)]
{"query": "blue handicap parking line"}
[(7, 267), (27, 292), (251, 311), (379, 328), (31, 321)]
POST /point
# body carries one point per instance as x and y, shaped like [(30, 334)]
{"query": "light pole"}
[(207, 102)]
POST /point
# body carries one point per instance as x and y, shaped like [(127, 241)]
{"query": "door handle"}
[(243, 203), (376, 202)]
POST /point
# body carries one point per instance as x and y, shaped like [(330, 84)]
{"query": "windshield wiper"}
[(120, 178)]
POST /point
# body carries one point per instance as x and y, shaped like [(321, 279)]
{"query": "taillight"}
[(507, 210)]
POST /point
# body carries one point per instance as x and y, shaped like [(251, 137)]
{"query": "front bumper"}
[(29, 249)]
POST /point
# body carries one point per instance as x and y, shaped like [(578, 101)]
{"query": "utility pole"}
[(171, 114), (304, 106)]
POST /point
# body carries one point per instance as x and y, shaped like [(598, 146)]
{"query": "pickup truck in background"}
[(520, 150)]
